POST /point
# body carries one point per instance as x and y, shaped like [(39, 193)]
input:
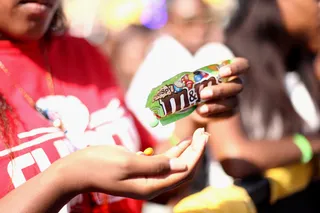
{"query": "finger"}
[(191, 156), (154, 166), (238, 66), (217, 107), (194, 152), (177, 150), (199, 141), (222, 91), (162, 165)]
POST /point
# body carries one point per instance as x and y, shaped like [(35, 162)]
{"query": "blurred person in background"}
[(180, 46), (189, 22), (128, 50), (278, 122), (59, 96)]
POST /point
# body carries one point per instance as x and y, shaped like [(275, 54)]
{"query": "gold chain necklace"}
[(49, 79), (26, 96)]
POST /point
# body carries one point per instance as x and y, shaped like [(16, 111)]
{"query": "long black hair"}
[(257, 33)]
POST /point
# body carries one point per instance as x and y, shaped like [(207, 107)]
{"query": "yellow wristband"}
[(304, 146), (174, 140)]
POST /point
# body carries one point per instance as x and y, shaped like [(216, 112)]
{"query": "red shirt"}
[(89, 99)]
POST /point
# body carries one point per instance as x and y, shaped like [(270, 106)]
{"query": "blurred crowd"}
[(156, 36), (149, 41), (125, 30)]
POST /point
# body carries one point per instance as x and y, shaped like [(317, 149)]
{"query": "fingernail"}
[(225, 71), (198, 132), (199, 144), (207, 134), (206, 137), (206, 93), (183, 143), (200, 139), (177, 165), (204, 109)]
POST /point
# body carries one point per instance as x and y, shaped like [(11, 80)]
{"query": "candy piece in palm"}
[(179, 96), (149, 151)]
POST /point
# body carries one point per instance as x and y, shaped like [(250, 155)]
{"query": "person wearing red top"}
[(61, 115)]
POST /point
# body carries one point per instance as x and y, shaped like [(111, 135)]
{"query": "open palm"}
[(116, 171)]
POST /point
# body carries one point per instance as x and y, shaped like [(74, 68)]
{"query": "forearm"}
[(45, 192), (241, 157), (270, 154)]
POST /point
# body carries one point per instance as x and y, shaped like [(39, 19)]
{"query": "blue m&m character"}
[(198, 77), (177, 89)]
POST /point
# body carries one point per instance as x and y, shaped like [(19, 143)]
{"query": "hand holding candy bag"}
[(179, 96)]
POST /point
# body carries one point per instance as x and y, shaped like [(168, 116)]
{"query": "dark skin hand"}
[(221, 101), (89, 169), (223, 97), (108, 169)]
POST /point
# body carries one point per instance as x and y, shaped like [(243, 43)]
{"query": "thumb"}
[(155, 165)]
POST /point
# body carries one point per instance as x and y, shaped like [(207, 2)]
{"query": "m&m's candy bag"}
[(179, 96)]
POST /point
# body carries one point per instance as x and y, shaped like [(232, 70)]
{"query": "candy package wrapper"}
[(179, 96)]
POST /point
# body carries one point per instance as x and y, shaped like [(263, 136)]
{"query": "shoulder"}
[(79, 50), (76, 55), (67, 42)]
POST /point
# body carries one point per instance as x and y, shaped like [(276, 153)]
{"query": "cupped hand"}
[(116, 171)]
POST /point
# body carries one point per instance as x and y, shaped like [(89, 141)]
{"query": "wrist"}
[(63, 175), (53, 187)]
